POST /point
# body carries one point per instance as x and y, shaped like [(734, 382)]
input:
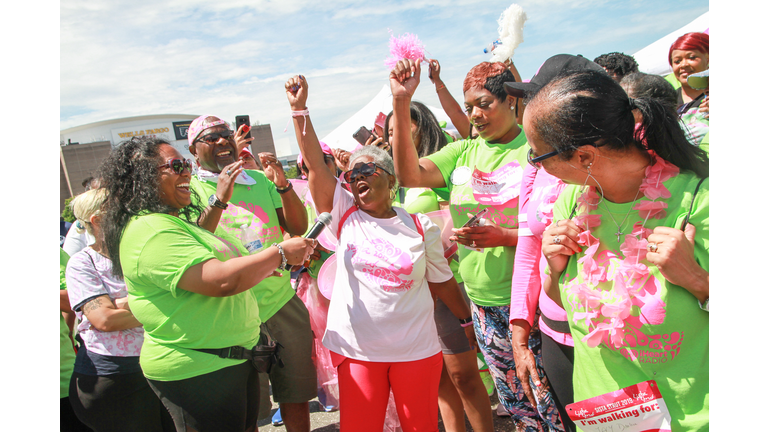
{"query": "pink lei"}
[(607, 312)]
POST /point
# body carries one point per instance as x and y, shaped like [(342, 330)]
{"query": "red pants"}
[(364, 393)]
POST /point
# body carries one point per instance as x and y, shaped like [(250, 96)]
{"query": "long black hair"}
[(431, 136), (131, 178), (590, 108)]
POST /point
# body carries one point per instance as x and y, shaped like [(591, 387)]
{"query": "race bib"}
[(636, 408)]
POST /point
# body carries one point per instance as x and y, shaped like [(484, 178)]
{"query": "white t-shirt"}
[(381, 308), (89, 275), (74, 242)]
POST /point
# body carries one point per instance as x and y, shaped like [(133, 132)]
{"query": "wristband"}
[(439, 88), (469, 324), (466, 321), (280, 250), (303, 113), (285, 189)]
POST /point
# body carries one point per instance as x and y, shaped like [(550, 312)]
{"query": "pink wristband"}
[(467, 324)]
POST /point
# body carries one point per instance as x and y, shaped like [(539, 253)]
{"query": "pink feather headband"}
[(407, 46)]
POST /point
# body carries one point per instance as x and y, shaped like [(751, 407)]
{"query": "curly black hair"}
[(617, 64), (430, 133), (131, 178)]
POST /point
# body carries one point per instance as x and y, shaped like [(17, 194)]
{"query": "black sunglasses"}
[(366, 170), (536, 162), (213, 137), (177, 165)]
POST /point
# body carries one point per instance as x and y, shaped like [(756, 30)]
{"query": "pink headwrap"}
[(200, 124), (327, 150)]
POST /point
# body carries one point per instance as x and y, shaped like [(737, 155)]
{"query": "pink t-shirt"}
[(381, 308), (538, 194), (89, 275)]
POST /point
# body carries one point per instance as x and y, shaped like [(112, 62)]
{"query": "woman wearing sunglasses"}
[(628, 252), (190, 289), (381, 330), (107, 390), (461, 387)]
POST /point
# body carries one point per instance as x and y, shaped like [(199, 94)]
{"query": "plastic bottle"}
[(250, 239)]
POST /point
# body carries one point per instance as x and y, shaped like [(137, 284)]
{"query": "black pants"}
[(223, 401), (120, 402), (557, 361), (68, 421)]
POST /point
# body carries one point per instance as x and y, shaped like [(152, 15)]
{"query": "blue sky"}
[(125, 58)]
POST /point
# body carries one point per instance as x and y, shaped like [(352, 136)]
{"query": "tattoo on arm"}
[(92, 305)]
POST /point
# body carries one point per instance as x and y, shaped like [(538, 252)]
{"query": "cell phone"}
[(362, 135), (476, 218), (244, 120)]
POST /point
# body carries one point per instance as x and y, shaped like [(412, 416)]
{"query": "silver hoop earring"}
[(599, 186)]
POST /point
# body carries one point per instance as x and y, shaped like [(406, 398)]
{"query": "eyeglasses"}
[(365, 170), (177, 165), (536, 162), (213, 137)]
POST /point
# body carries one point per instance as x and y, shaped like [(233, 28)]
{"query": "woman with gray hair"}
[(381, 329)]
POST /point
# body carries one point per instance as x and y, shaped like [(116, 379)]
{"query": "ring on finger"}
[(473, 244), (556, 240), (653, 247), (229, 172)]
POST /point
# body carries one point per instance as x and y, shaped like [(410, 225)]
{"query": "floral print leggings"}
[(494, 338)]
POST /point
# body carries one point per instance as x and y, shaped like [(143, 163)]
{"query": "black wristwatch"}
[(213, 201)]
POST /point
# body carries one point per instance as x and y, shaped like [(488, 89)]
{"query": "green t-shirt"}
[(480, 175), (155, 251), (673, 80), (705, 143), (665, 336), (66, 352), (425, 200), (256, 206)]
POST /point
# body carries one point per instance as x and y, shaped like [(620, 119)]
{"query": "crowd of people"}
[(576, 263)]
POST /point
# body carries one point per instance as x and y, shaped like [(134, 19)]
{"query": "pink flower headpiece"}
[(407, 46)]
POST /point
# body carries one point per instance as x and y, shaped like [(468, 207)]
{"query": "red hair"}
[(693, 41), (477, 76)]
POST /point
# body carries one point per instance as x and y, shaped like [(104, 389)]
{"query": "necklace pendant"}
[(618, 236)]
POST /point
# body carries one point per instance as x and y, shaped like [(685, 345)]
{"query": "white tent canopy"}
[(653, 58), (341, 137)]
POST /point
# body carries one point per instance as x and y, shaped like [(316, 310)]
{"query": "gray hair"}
[(380, 157)]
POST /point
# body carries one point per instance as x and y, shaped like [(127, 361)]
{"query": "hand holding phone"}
[(362, 135)]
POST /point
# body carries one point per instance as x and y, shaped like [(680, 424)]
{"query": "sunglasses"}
[(213, 137), (536, 162), (177, 165), (365, 170)]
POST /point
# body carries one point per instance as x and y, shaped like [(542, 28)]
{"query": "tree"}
[(67, 213)]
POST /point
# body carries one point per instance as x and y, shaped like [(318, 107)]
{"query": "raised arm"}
[(409, 169), (450, 106), (320, 180)]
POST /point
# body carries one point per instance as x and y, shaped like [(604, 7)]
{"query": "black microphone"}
[(322, 221)]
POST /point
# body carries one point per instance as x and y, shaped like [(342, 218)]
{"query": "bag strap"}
[(688, 216), (419, 228), (344, 219)]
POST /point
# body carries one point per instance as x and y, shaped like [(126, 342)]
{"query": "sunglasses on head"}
[(366, 170), (213, 137), (536, 161), (177, 165)]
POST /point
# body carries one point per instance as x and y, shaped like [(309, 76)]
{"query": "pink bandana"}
[(200, 124)]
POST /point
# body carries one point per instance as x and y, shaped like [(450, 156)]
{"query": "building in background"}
[(83, 148)]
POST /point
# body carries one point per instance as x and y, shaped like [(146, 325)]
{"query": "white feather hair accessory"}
[(511, 24)]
